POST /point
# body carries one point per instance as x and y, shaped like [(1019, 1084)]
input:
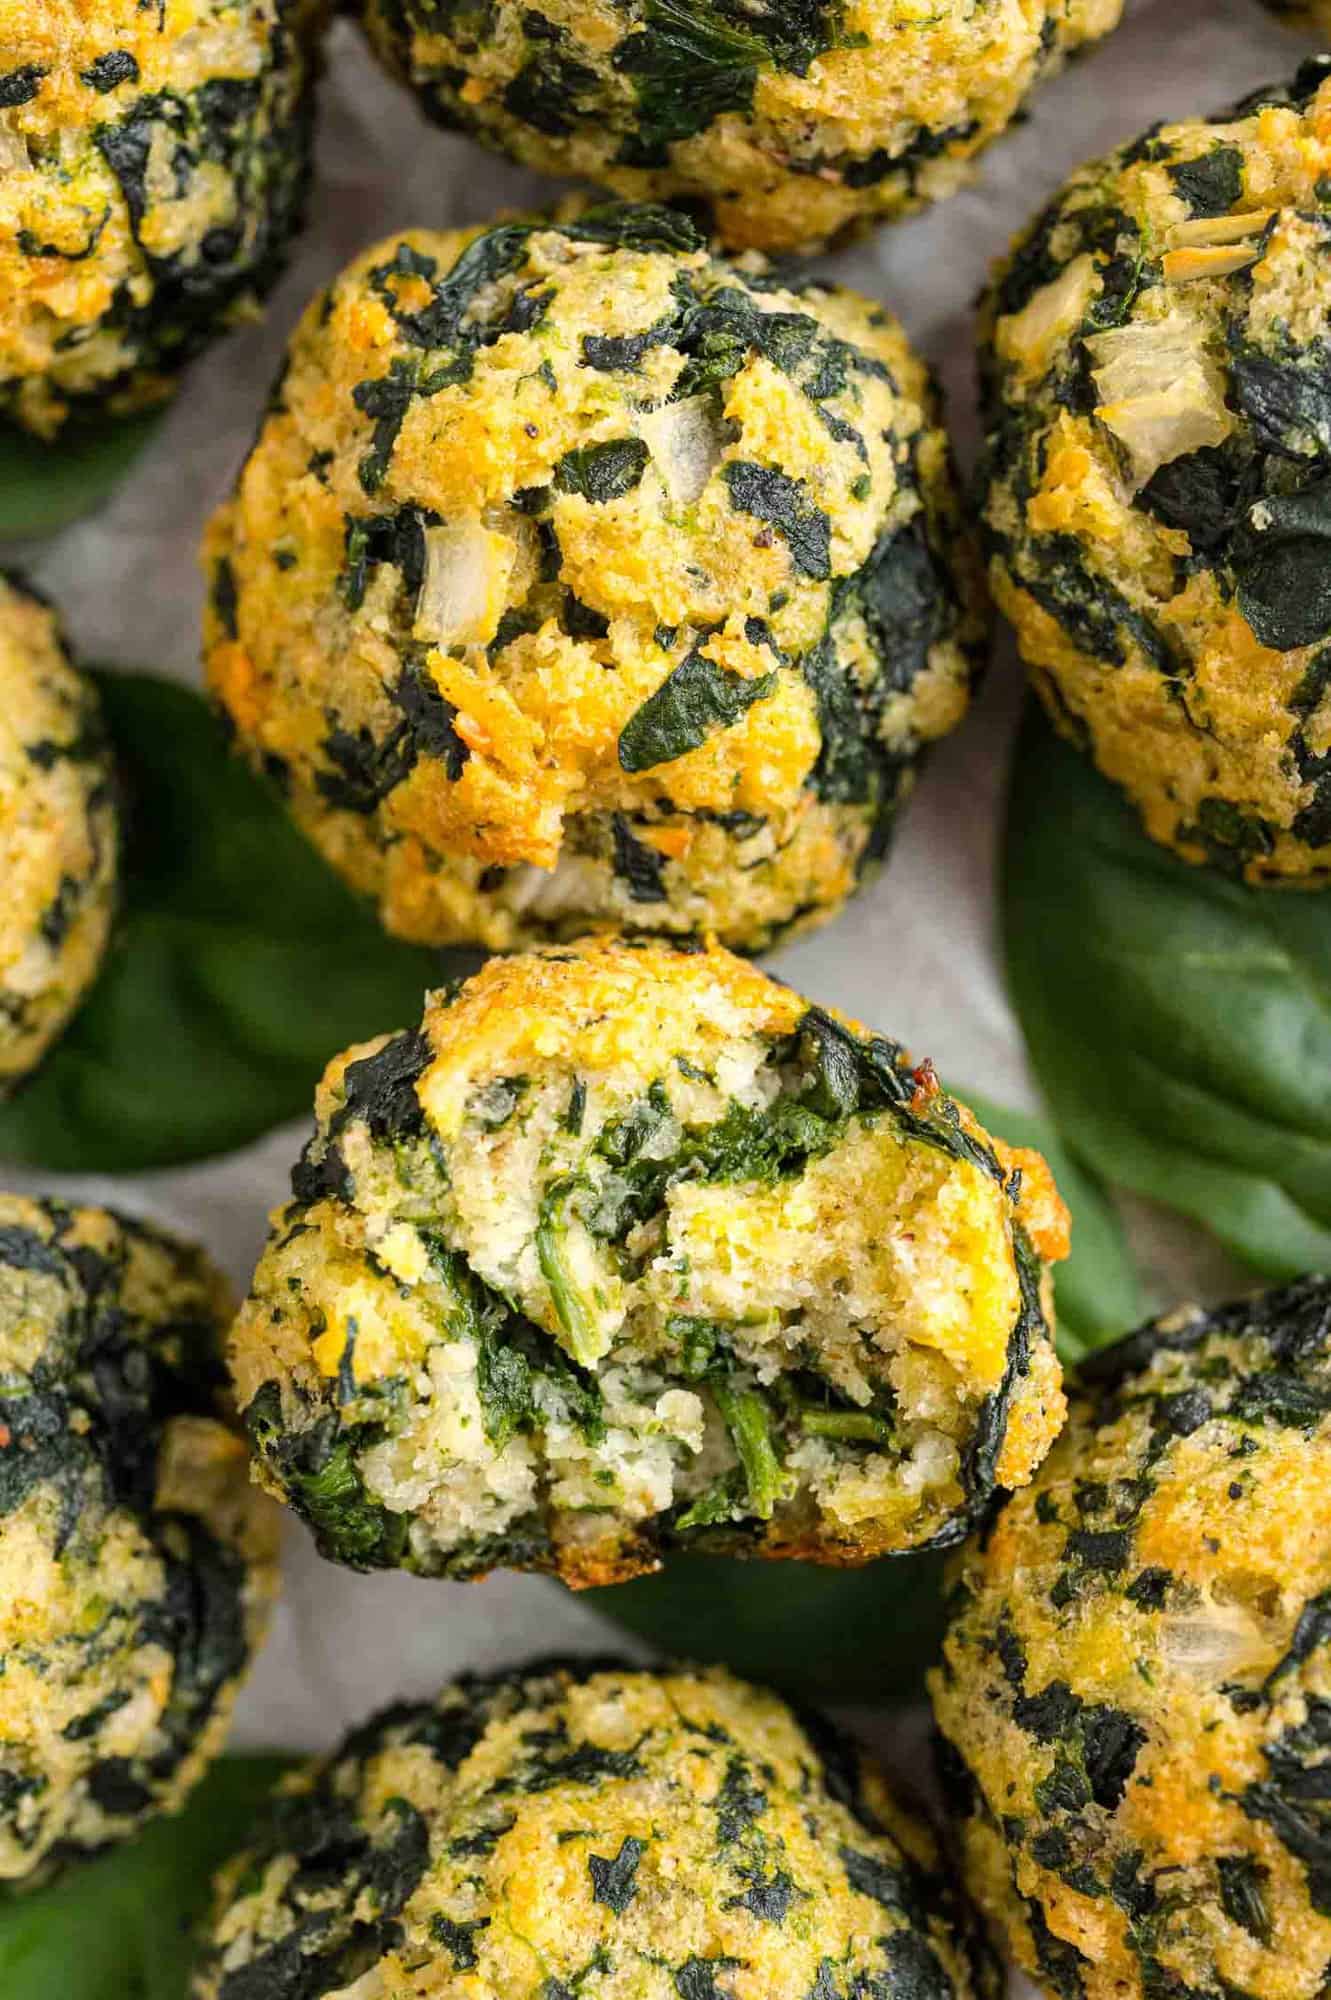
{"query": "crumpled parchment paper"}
[(916, 955)]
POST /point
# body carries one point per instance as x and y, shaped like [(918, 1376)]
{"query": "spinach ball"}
[(136, 1561), (628, 1249), (57, 832), (153, 162), (1157, 505), (580, 579), (790, 121), (584, 1828), (1135, 1695)]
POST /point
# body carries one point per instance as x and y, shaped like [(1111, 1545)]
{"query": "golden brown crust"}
[(576, 582), (58, 833), (795, 122)]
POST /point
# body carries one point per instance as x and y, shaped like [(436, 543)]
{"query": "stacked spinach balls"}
[(790, 119), (589, 1830), (1158, 475), (1135, 1697), (152, 167), (626, 1249), (579, 579), (57, 833), (136, 1560)]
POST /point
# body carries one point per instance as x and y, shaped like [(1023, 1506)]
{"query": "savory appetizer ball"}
[(152, 165), (1135, 1697), (1156, 506), (789, 121), (628, 1248), (57, 832), (579, 579), (136, 1560), (584, 1829)]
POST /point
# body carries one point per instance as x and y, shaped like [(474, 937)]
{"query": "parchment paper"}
[(916, 955)]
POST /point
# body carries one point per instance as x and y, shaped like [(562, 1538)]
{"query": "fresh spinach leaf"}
[(43, 487), (699, 696), (240, 966), (120, 1927), (855, 1635), (1179, 1023)]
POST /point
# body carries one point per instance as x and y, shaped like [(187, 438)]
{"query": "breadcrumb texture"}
[(1135, 1697), (627, 1248), (580, 579), (589, 1830), (153, 161), (136, 1560), (1157, 503), (793, 120), (57, 833)]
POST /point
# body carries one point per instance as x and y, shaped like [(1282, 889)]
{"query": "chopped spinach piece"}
[(698, 696), (773, 496), (603, 472)]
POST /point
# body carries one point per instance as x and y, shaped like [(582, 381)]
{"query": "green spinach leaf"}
[(1281, 557), (699, 696), (1178, 1022), (241, 964), (120, 1927), (43, 487)]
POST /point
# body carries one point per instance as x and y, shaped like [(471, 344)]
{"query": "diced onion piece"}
[(1056, 311), (14, 155), (465, 586), (1185, 267), (1221, 228), (685, 443), (1161, 394)]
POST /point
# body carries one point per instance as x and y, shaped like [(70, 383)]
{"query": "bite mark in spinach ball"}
[(57, 833), (136, 1560), (585, 1829), (628, 1249), (791, 119), (1135, 1696), (579, 579), (1158, 472), (153, 162)]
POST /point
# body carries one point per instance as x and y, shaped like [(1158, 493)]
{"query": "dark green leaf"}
[(1281, 557), (240, 966), (602, 472), (845, 1635), (1212, 185), (1178, 1022), (43, 487), (699, 696), (119, 1928), (782, 502)]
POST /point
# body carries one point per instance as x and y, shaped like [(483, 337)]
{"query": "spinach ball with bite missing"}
[(153, 162), (584, 1828), (579, 579), (788, 121), (137, 1563), (57, 832), (1157, 506), (1135, 1695), (628, 1249)]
